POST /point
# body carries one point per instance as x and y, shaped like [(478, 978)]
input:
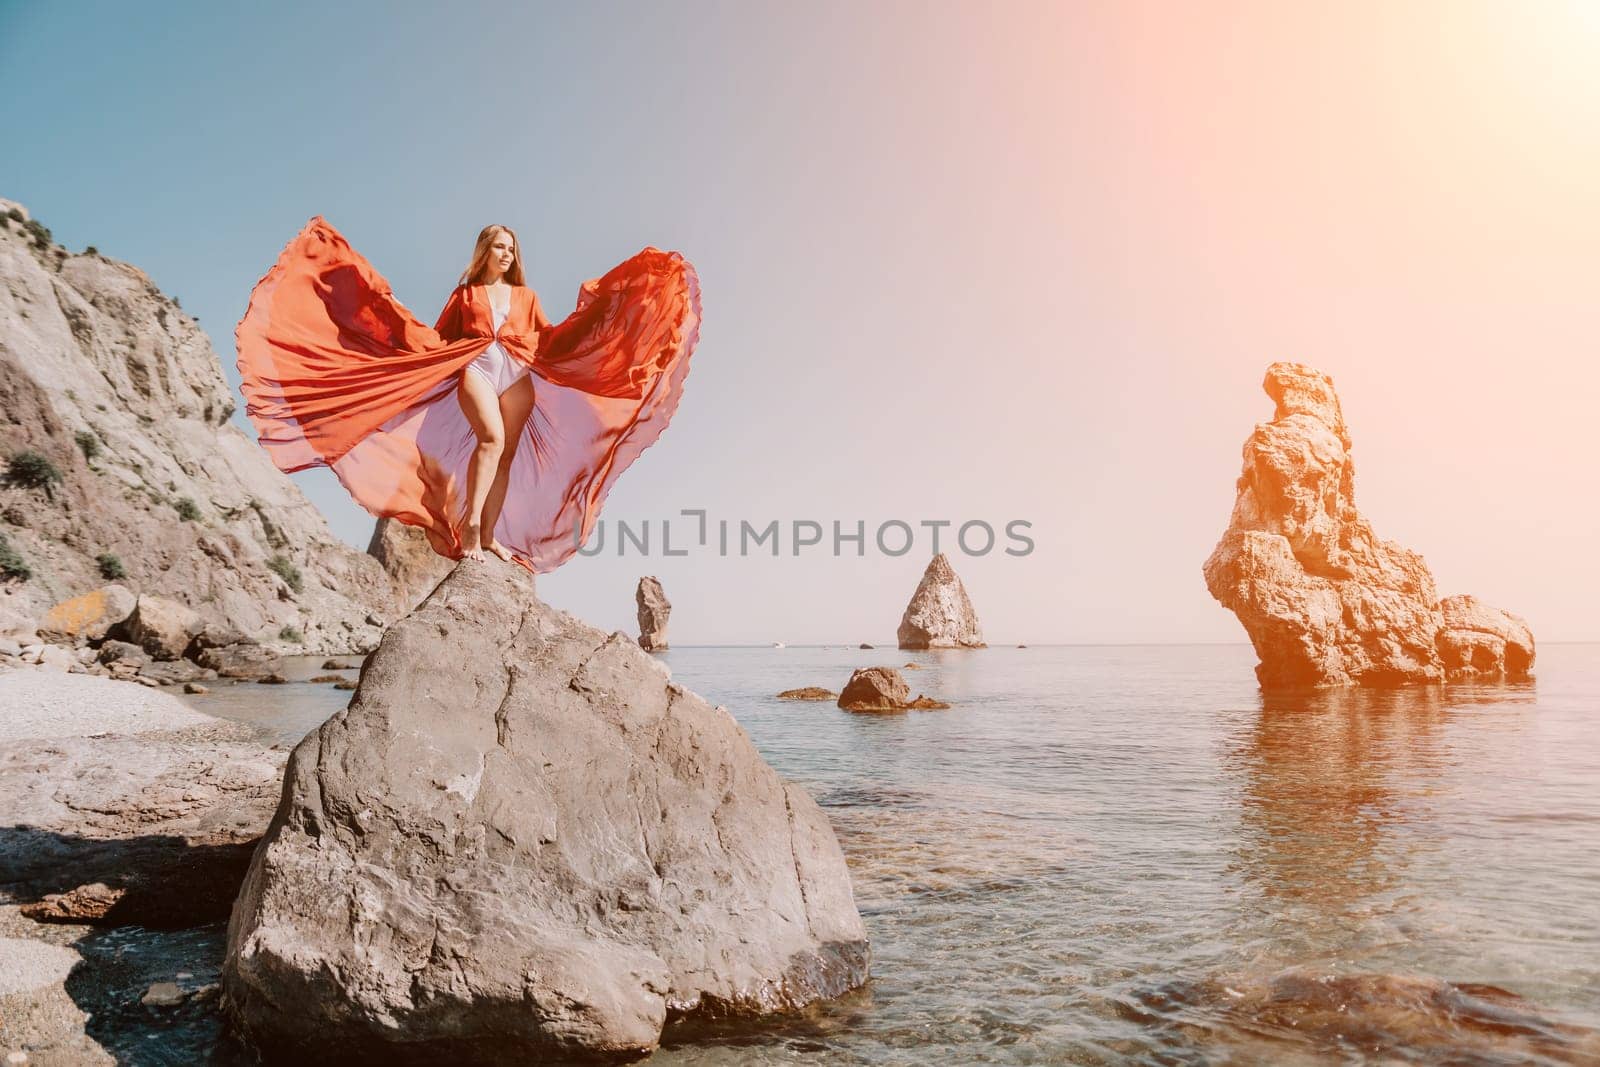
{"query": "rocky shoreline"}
[(124, 808), (562, 850)]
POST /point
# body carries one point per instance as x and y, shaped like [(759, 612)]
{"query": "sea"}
[(1130, 854)]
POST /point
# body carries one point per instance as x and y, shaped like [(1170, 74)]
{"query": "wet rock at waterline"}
[(1478, 640), (654, 610), (882, 689), (1419, 1019), (940, 613), (520, 839), (1324, 600), (808, 692)]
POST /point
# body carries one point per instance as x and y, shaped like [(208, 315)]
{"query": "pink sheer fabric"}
[(336, 372)]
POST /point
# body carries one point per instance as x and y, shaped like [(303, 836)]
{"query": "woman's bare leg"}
[(482, 408), (515, 405)]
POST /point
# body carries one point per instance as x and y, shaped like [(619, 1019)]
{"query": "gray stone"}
[(163, 995), (162, 627), (113, 651), (169, 672), (17, 626), (243, 660), (409, 559), (520, 838)]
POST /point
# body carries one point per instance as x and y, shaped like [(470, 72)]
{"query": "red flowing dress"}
[(336, 372)]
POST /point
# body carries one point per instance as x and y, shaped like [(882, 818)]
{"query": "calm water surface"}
[(1104, 854)]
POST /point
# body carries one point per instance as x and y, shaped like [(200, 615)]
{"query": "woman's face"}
[(502, 250)]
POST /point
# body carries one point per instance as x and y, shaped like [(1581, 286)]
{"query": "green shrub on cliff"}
[(88, 443), (110, 566), (32, 470), (284, 568), (187, 509), (39, 232), (12, 565), (289, 633)]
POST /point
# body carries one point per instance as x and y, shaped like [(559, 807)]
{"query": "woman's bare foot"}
[(496, 548), (471, 544)]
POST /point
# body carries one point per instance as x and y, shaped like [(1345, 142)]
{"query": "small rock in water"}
[(272, 679), (882, 689), (163, 995), (336, 665), (194, 687), (809, 692)]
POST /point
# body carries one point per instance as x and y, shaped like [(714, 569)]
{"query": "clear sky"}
[(960, 261)]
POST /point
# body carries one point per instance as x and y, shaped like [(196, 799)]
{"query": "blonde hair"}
[(479, 266)]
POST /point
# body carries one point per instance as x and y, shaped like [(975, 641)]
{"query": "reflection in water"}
[(1329, 779), (1341, 794)]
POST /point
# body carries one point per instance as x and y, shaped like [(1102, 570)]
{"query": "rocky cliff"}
[(119, 462)]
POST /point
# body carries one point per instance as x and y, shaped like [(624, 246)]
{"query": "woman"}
[(496, 392), (494, 430)]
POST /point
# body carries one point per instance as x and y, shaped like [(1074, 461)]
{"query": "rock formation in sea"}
[(1324, 601), (940, 614), (654, 610), (411, 563), (119, 462), (521, 839), (882, 689)]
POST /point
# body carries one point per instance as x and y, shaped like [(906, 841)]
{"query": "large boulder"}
[(90, 616), (162, 627), (940, 614), (410, 561), (875, 689), (521, 838), (1324, 601)]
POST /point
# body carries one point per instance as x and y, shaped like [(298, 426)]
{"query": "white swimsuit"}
[(495, 363)]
